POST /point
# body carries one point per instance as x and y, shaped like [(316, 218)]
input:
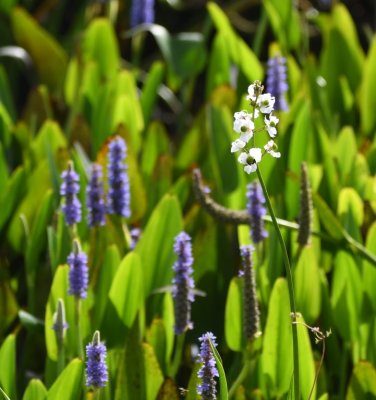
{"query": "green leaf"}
[(12, 194), (168, 390), (346, 296), (48, 56), (8, 306), (126, 289), (169, 322), (156, 244), (369, 270), (350, 211), (5, 126), (194, 380), (8, 361), (100, 45), (234, 315), (223, 391), (307, 285), (327, 218), (277, 360), (69, 383), (363, 382), (345, 152), (150, 89), (367, 98), (35, 390), (306, 362)]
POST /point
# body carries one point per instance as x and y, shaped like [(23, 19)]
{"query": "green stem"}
[(60, 357), (290, 288), (4, 394), (80, 350), (241, 377), (97, 394), (177, 355)]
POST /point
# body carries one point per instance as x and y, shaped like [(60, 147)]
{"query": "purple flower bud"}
[(208, 371), (142, 12), (256, 210), (78, 272), (60, 324), (95, 198), (251, 313), (118, 180), (96, 367), (276, 82), (183, 283), (69, 189), (135, 237)]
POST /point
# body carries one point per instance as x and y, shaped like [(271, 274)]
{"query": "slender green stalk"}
[(60, 357), (80, 350), (97, 394), (290, 288), (174, 367), (4, 394), (241, 377)]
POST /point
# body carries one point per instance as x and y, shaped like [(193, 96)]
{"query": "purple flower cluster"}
[(251, 313), (118, 180), (142, 12), (276, 82), (208, 371), (78, 272), (256, 210), (69, 189), (96, 367), (183, 283), (96, 209)]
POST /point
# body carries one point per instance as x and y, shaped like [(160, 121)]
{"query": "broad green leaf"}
[(35, 390), (350, 211), (298, 152), (363, 382), (169, 322), (69, 383), (234, 315), (8, 306), (219, 128), (307, 285), (156, 244), (156, 337), (369, 270), (126, 289), (6, 5), (107, 272), (346, 296), (150, 89), (277, 360), (327, 218), (168, 390), (12, 194), (345, 152), (223, 391), (48, 56), (8, 361), (194, 380), (367, 101), (306, 361), (100, 45)]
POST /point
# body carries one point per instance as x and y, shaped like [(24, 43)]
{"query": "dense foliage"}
[(109, 245)]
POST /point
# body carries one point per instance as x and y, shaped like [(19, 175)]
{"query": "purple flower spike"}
[(183, 283), (78, 272), (251, 314), (208, 371), (69, 189), (276, 82), (118, 180), (96, 367), (142, 12), (256, 211), (95, 198)]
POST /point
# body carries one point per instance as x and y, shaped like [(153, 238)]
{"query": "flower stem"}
[(60, 357), (241, 377), (80, 350), (174, 367), (290, 288)]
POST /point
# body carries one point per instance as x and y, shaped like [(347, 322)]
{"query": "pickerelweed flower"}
[(78, 272), (142, 12), (208, 371), (96, 209), (60, 324), (244, 124), (183, 283), (251, 314), (96, 367), (276, 82), (256, 210), (69, 189), (119, 191)]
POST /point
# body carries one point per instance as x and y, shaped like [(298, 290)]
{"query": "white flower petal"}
[(243, 158), (250, 168), (266, 103), (256, 154), (237, 145), (251, 93), (275, 154), (245, 137)]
